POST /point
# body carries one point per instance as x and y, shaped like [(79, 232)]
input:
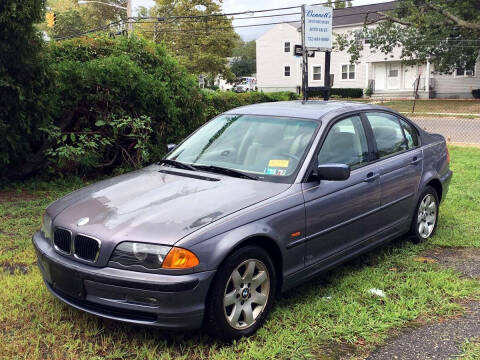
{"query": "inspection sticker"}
[(277, 172), (278, 163)]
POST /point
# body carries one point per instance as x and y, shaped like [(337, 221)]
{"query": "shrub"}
[(24, 85), (102, 83), (347, 92), (340, 92), (476, 93), (219, 102), (117, 103)]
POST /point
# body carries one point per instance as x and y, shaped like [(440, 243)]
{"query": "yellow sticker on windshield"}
[(278, 163)]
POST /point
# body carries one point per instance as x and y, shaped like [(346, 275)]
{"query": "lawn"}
[(333, 316), (435, 106)]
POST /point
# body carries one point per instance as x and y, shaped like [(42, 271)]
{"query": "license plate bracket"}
[(67, 281)]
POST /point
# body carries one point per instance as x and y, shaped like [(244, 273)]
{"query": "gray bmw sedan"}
[(258, 200)]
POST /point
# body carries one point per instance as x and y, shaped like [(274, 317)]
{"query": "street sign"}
[(318, 28)]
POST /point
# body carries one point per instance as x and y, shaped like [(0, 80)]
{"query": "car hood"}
[(153, 206)]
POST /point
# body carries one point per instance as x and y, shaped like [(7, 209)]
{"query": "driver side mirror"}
[(333, 172), (170, 147)]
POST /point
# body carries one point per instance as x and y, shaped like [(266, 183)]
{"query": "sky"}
[(252, 33)]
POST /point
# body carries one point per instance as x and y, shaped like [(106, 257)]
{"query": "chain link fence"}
[(457, 120)]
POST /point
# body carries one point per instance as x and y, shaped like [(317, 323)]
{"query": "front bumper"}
[(164, 301)]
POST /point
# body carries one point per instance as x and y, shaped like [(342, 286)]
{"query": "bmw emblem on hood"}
[(83, 221)]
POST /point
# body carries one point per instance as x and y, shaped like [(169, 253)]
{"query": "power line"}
[(194, 17), (105, 27)]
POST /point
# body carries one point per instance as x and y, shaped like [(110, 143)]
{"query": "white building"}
[(278, 69)]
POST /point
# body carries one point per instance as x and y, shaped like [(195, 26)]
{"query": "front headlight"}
[(153, 256), (147, 255), (46, 228)]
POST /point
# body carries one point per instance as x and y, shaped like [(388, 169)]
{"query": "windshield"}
[(271, 148)]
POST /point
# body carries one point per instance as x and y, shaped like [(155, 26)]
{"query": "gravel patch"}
[(436, 341), (442, 340), (464, 260)]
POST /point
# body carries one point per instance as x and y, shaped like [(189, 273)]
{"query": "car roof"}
[(311, 109)]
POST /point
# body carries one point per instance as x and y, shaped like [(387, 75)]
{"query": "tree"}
[(73, 18), (446, 33), (245, 63), (68, 23), (339, 4), (24, 81), (202, 44)]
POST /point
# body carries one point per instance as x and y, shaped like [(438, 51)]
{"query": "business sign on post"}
[(318, 28)]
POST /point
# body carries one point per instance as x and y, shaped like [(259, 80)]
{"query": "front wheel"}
[(241, 295), (425, 218)]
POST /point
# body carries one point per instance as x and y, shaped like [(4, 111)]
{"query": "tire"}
[(234, 283), (425, 217)]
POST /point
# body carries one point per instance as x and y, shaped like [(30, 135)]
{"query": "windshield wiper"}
[(177, 164), (226, 171)]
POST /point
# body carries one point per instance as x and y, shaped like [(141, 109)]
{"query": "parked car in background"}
[(258, 200), (246, 84)]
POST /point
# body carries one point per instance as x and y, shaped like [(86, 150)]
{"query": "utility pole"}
[(304, 59), (129, 17)]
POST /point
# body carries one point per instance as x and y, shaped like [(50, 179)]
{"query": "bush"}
[(476, 93), (340, 93), (118, 102), (25, 82), (347, 92), (219, 102)]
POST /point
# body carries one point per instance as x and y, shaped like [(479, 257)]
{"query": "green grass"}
[(469, 108), (471, 350), (435, 106), (333, 316)]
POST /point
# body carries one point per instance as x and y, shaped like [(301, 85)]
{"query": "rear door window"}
[(388, 134), (410, 134)]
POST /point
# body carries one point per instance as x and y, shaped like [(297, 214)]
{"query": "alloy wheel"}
[(246, 294), (427, 216)]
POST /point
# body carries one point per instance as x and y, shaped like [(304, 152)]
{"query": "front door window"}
[(345, 143)]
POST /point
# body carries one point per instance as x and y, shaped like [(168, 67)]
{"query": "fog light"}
[(134, 299)]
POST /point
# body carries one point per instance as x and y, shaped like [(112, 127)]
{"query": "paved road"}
[(460, 130), (442, 340)]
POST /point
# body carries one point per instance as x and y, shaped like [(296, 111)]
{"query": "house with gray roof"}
[(279, 70)]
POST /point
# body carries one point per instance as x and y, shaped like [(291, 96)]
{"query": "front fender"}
[(274, 230)]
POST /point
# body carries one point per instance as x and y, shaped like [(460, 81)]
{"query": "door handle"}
[(415, 160), (371, 177)]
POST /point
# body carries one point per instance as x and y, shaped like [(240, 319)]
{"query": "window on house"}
[(392, 70), (348, 72), (287, 46), (317, 73), (286, 71), (465, 72)]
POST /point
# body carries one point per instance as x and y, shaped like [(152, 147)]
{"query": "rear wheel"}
[(241, 295), (425, 218)]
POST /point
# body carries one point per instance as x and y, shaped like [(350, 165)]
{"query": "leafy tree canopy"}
[(73, 18), (24, 79), (203, 44), (340, 4), (245, 63), (444, 32)]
